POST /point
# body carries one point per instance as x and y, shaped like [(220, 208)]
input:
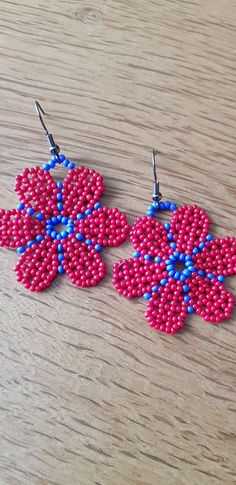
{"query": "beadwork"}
[(154, 273), (60, 227)]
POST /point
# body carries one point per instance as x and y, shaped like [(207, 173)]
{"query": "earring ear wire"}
[(53, 148)]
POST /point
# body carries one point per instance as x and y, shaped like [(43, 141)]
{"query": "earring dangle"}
[(177, 267), (60, 226)]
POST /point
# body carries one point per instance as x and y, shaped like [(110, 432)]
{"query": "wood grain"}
[(89, 394)]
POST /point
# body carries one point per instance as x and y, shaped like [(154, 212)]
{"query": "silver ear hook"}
[(54, 149), (156, 196)]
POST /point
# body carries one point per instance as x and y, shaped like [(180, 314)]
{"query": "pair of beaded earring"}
[(61, 227)]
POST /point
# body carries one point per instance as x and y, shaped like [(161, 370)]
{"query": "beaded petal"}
[(60, 227), (178, 268)]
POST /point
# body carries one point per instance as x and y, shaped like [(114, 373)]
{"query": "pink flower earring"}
[(177, 267), (60, 226)]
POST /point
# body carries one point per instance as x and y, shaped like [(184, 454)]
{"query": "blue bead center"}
[(179, 266), (59, 227)]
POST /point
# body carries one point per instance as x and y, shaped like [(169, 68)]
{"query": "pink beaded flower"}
[(60, 226), (178, 267)]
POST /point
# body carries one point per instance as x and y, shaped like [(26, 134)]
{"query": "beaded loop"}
[(178, 268), (60, 227)]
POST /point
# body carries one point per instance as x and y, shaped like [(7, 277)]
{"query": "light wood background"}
[(89, 394)]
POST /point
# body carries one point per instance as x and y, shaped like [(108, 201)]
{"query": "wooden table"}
[(89, 393)]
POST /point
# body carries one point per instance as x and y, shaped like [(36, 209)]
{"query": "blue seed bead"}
[(157, 259), (188, 264), (147, 257), (40, 216), (59, 185), (167, 204), (59, 196), (182, 257), (59, 206), (173, 245), (30, 243), (21, 249), (64, 220), (69, 229), (79, 216), (20, 206), (48, 231), (53, 234), (70, 222), (220, 278), (191, 268), (171, 273), (59, 237), (60, 257), (186, 297), (46, 166), (177, 275), (210, 276), (54, 158), (201, 272), (188, 257), (39, 238), (176, 254), (195, 250), (155, 204), (97, 205), (60, 269), (185, 288), (147, 296), (59, 218), (30, 211), (190, 309), (167, 226), (161, 206), (79, 236), (170, 267), (150, 208), (201, 245), (71, 165), (155, 288), (61, 157), (136, 254), (173, 206), (64, 234), (209, 237), (150, 214), (172, 257), (51, 163), (88, 211), (168, 261), (66, 163), (54, 220), (183, 277), (163, 281), (88, 242), (186, 272), (98, 247), (169, 236), (60, 247)]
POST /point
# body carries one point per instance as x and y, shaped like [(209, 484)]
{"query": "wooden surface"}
[(89, 394)]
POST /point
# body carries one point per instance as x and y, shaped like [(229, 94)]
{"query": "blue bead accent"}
[(147, 296), (59, 237), (185, 288), (195, 250), (66, 163), (54, 220), (21, 249), (53, 234), (155, 204), (169, 236), (167, 204), (88, 211), (190, 309), (64, 220), (61, 157), (186, 297), (39, 238), (188, 257), (173, 245), (52, 163), (171, 273), (188, 264), (60, 247), (201, 272), (48, 231), (79, 236), (167, 226), (136, 254), (30, 243), (155, 288), (220, 278), (59, 206), (209, 237), (173, 206), (60, 257), (88, 242), (40, 216), (30, 211), (210, 276), (176, 254), (170, 267), (163, 281), (64, 234), (46, 167), (80, 216), (70, 222), (59, 185), (172, 257), (20, 206), (69, 229), (157, 259), (191, 268), (97, 205), (161, 206), (71, 165), (186, 272), (169, 261), (59, 196), (59, 218), (201, 245), (98, 247), (60, 269), (150, 208), (150, 214), (183, 277), (147, 257), (177, 275)]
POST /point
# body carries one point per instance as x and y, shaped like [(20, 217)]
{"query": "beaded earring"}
[(177, 267), (60, 226)]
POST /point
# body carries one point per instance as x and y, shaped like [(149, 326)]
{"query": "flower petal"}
[(167, 309), (136, 276), (149, 236), (106, 227), (17, 227), (37, 267), (82, 187), (209, 298), (36, 188), (217, 257), (189, 225), (82, 263)]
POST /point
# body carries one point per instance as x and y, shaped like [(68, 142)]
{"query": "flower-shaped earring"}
[(60, 226), (177, 267)]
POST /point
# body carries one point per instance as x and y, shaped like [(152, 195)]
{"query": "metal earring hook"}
[(54, 149), (156, 196)]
